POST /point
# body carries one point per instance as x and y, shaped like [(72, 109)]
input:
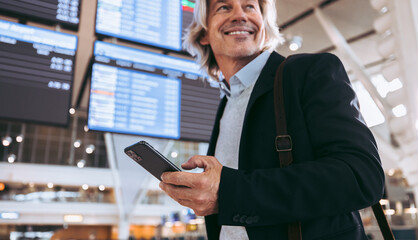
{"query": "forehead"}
[(213, 2)]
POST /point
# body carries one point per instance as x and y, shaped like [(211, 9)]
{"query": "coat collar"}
[(265, 80)]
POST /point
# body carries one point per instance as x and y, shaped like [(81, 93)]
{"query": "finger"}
[(181, 178), (189, 198), (181, 195), (197, 161), (179, 192)]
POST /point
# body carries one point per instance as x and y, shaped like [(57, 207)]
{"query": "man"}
[(242, 192)]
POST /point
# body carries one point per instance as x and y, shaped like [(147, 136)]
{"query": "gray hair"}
[(198, 27)]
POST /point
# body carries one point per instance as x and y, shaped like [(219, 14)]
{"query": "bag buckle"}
[(283, 143)]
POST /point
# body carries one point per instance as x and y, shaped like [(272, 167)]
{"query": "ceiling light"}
[(9, 215), (384, 10), (85, 187), (411, 210), (389, 212), (295, 43), (391, 172), (371, 113), (382, 86), (73, 218), (86, 128), (19, 138), (71, 111), (174, 154), (77, 143), (90, 149), (11, 158), (102, 187), (197, 221), (81, 163), (378, 4), (399, 110), (395, 84), (6, 141)]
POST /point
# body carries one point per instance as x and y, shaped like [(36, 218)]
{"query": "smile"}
[(238, 32)]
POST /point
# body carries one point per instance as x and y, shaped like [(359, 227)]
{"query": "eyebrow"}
[(224, 1), (216, 2), (219, 1)]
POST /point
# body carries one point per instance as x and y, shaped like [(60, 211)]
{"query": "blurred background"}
[(82, 79)]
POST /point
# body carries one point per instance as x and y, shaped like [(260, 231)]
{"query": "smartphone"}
[(150, 159)]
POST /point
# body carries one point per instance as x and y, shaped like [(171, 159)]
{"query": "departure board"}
[(159, 23), (143, 93), (64, 12), (36, 73)]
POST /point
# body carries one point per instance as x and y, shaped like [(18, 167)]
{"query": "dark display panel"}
[(159, 23), (65, 12), (36, 73), (142, 93)]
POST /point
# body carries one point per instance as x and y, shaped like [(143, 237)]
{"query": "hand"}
[(198, 191)]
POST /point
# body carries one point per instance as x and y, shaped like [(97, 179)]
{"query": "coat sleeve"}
[(344, 174)]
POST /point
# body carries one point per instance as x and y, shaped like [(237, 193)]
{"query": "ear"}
[(204, 39)]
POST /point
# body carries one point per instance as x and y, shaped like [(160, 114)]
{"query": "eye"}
[(250, 6), (222, 8)]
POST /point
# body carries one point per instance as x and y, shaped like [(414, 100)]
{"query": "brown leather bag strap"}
[(283, 145), (283, 140), (382, 222)]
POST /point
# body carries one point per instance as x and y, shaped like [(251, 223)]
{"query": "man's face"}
[(235, 28)]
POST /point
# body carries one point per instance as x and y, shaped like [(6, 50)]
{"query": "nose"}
[(238, 14)]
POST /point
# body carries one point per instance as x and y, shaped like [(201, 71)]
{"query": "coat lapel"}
[(264, 84), (215, 130), (265, 80)]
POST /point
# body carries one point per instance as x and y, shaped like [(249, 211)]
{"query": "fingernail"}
[(161, 184)]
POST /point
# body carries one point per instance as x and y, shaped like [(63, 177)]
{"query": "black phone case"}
[(150, 159)]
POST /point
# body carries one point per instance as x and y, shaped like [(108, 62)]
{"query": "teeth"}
[(238, 32)]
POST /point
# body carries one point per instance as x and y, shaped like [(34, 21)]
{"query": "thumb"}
[(196, 161)]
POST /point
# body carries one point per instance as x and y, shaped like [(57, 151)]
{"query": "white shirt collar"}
[(249, 74), (245, 76)]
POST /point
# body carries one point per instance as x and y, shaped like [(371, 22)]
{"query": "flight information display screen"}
[(159, 23), (143, 93), (65, 12), (36, 73)]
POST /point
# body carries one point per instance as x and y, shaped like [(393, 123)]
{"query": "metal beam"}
[(123, 226), (356, 66)]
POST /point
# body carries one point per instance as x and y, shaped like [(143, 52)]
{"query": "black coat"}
[(336, 168)]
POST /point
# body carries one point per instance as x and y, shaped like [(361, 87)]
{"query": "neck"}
[(230, 66)]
